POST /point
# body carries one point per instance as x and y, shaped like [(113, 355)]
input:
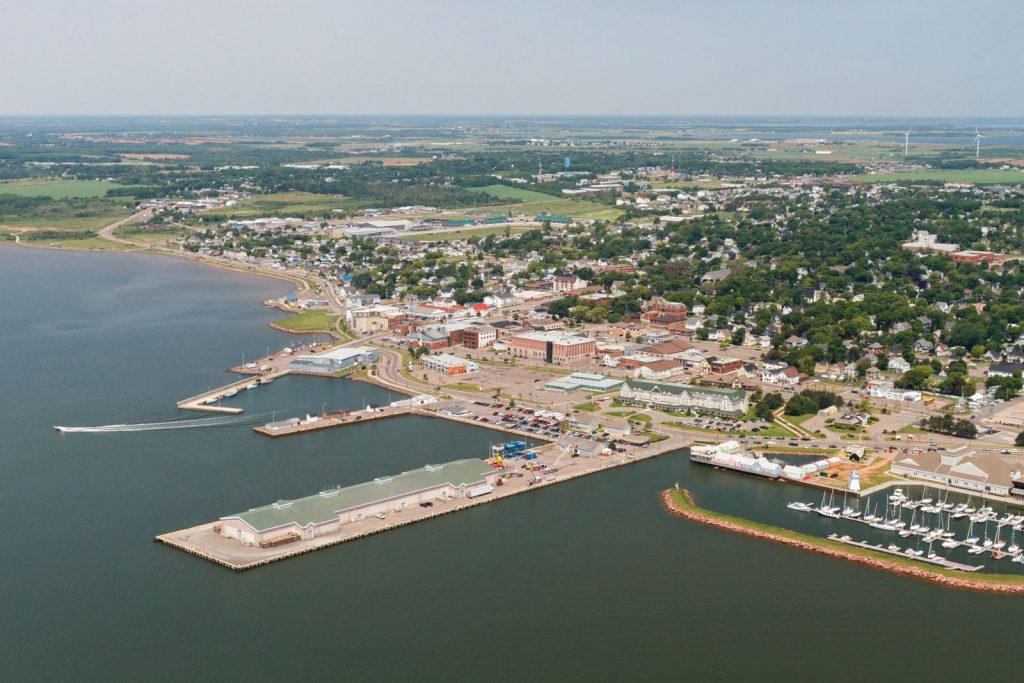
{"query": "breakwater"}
[(680, 503)]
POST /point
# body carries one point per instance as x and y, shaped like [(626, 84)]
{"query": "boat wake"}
[(170, 424)]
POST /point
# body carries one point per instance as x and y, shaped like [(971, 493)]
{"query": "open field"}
[(506, 192), (967, 175), (466, 233), (308, 321), (64, 222), (283, 204), (57, 189)]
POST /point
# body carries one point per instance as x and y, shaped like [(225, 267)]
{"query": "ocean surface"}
[(585, 581)]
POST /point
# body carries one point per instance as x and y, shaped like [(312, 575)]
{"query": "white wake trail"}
[(159, 426)]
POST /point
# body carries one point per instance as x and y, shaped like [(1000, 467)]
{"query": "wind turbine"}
[(906, 141), (977, 142)]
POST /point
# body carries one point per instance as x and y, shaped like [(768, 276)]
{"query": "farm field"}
[(283, 204), (506, 192), (63, 222), (967, 175), (58, 189)]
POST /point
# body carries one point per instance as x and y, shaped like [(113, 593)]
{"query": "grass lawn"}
[(798, 420), (910, 429), (587, 407), (505, 192), (58, 189), (619, 413), (308, 321), (966, 175), (87, 243), (468, 386)]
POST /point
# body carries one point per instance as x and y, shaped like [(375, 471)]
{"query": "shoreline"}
[(284, 277), (681, 503)]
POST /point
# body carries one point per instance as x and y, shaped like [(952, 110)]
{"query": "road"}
[(108, 233)]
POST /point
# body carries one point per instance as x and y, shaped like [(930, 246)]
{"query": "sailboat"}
[(971, 538), (830, 511)]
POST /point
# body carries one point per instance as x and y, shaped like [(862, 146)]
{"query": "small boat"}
[(951, 543), (253, 385), (229, 394), (883, 525), (800, 507), (1019, 559), (976, 550), (266, 380)]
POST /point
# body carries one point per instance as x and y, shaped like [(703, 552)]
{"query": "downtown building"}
[(559, 348)]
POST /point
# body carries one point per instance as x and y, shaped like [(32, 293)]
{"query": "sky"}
[(936, 58)]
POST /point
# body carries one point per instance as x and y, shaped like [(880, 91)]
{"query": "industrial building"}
[(448, 364), (335, 360), (560, 348), (684, 397), (328, 511)]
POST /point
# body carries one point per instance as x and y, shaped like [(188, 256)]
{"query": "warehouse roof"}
[(326, 505)]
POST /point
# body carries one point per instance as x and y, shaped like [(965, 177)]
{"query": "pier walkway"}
[(879, 548), (209, 401)]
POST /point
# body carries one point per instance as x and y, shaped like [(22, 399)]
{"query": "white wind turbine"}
[(977, 142), (906, 141)]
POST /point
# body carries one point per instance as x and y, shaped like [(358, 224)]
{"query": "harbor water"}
[(587, 580)]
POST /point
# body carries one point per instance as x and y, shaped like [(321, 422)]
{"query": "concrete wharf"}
[(879, 548), (206, 542), (209, 400), (331, 420)]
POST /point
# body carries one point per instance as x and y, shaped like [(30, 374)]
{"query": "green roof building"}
[(329, 510)]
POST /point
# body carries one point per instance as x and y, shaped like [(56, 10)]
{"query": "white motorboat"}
[(800, 507)]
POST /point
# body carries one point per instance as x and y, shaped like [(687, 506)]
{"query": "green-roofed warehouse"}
[(327, 511)]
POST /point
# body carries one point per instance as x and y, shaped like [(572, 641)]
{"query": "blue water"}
[(587, 580)]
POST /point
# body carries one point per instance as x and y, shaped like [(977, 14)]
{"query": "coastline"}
[(681, 503)]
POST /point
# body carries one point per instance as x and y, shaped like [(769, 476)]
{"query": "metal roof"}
[(326, 505)]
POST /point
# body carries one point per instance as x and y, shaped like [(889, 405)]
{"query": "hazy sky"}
[(729, 57)]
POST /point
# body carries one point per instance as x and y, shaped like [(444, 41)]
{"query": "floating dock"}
[(878, 548)]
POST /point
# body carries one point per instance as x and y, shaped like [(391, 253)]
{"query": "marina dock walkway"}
[(879, 548)]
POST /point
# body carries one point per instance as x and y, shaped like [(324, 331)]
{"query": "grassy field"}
[(64, 222), (587, 407), (506, 192), (467, 233), (968, 175), (57, 189), (283, 204), (308, 321)]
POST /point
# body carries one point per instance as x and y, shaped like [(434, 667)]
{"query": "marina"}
[(931, 526), (890, 550)]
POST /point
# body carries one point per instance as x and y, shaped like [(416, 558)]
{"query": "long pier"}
[(331, 420), (205, 400), (206, 542), (879, 548)]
